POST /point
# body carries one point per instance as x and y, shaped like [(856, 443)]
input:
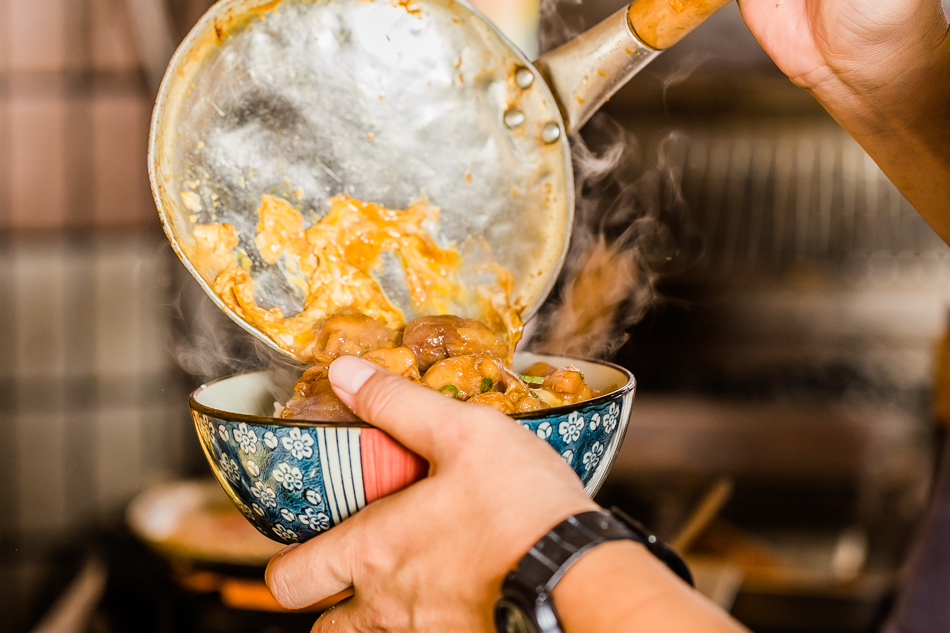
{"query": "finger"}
[(417, 417), (332, 563), (313, 571)]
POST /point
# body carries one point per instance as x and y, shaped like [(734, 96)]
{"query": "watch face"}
[(509, 618)]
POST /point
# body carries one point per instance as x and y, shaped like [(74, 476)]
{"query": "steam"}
[(630, 229), (629, 233), (209, 345), (556, 26), (686, 66)]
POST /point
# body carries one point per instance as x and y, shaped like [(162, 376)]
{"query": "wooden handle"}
[(662, 23)]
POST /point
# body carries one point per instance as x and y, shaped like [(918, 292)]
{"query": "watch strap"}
[(658, 548), (550, 558)]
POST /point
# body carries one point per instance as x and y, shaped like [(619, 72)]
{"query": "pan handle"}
[(584, 72)]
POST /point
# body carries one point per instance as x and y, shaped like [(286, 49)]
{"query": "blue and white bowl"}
[(293, 480)]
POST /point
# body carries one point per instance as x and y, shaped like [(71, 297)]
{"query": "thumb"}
[(424, 421)]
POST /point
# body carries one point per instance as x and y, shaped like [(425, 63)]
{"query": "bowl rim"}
[(261, 420)]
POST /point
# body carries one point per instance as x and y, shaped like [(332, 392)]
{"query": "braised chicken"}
[(464, 376), (540, 369), (398, 360), (495, 400), (557, 386), (434, 338), (568, 384), (349, 332), (314, 399), (460, 358)]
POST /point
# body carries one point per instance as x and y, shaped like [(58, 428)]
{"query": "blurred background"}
[(787, 350)]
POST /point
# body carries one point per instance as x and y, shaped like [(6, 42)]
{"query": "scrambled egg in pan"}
[(332, 261)]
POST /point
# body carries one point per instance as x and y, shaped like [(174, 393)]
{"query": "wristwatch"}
[(525, 605)]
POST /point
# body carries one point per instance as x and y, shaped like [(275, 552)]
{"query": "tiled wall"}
[(93, 406), (74, 112), (92, 403)]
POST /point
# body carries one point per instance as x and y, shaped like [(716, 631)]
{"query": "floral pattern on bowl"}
[(293, 480)]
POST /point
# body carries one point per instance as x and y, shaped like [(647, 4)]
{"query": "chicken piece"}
[(540, 370), (349, 332), (529, 402), (398, 360), (315, 401), (567, 383), (521, 396), (464, 376), (434, 338), (304, 384), (495, 400), (475, 377)]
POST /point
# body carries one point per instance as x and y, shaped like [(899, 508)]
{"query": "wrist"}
[(527, 602), (902, 125), (593, 580), (889, 86), (632, 591)]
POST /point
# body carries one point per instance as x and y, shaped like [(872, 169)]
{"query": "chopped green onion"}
[(450, 390), (533, 394), (580, 373), (533, 380), (487, 384)]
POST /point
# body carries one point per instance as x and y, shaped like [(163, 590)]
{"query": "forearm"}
[(620, 587), (905, 127)]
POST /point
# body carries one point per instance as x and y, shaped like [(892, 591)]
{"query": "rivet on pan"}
[(551, 132), (514, 117), (524, 77)]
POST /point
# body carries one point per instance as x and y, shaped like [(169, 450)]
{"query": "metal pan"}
[(386, 100)]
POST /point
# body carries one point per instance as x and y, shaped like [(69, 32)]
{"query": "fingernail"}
[(288, 549), (350, 373)]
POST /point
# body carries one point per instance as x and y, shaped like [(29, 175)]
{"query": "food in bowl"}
[(461, 358)]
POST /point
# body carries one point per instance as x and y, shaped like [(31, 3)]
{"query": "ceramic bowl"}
[(293, 480)]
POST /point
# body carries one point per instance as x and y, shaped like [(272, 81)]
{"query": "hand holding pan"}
[(385, 100)]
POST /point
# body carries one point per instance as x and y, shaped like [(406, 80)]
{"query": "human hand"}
[(862, 47), (881, 68), (431, 557)]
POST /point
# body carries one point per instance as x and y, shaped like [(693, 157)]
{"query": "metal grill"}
[(816, 276), (786, 193)]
